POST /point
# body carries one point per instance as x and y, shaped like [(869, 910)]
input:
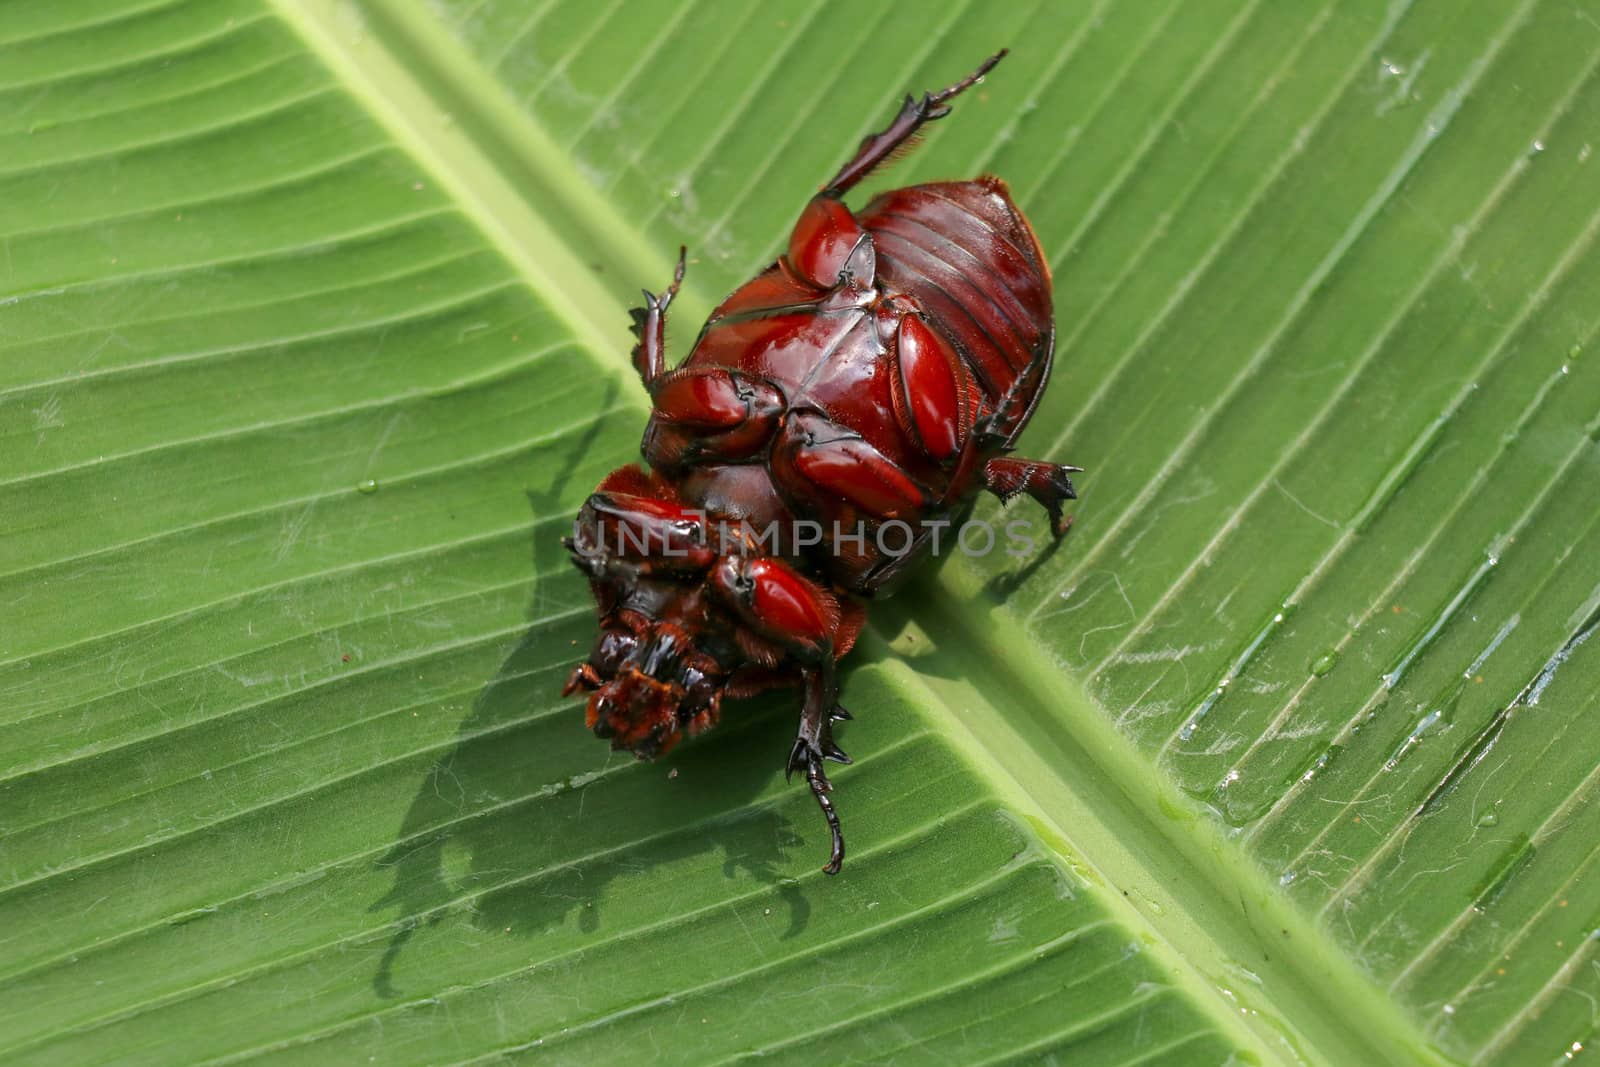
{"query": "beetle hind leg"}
[(880, 147), (1048, 483), (650, 327)]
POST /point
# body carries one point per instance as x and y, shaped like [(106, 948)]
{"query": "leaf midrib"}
[(407, 72)]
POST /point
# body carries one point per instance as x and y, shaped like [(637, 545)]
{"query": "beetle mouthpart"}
[(657, 739), (636, 712)]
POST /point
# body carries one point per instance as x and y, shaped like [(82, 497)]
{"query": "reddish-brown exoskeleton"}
[(875, 374)]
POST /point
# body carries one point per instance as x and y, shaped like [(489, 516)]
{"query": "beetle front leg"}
[(879, 147), (783, 607), (653, 536), (650, 327), (815, 744)]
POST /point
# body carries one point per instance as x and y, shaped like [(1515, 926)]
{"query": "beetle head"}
[(647, 684)]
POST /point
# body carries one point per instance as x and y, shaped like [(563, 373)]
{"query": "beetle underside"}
[(876, 374)]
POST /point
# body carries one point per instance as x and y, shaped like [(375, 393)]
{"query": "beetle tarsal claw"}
[(839, 713), (799, 758), (820, 788)]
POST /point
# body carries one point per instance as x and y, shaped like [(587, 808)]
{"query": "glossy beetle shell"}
[(877, 374), (856, 356)]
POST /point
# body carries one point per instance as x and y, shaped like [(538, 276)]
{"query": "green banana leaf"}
[(313, 336)]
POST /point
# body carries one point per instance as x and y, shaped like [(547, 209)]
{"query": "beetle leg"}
[(879, 147), (650, 327), (709, 413), (780, 605), (930, 390), (993, 433), (828, 246), (788, 609), (818, 460), (656, 535), (1011, 413), (1048, 483), (819, 710), (813, 746)]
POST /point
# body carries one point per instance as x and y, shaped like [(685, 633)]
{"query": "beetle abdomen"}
[(965, 253)]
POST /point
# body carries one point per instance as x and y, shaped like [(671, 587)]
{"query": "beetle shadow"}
[(503, 829), (1002, 586)]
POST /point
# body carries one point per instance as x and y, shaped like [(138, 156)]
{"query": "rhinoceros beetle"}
[(873, 378)]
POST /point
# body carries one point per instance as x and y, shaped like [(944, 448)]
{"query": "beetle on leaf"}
[(877, 373)]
